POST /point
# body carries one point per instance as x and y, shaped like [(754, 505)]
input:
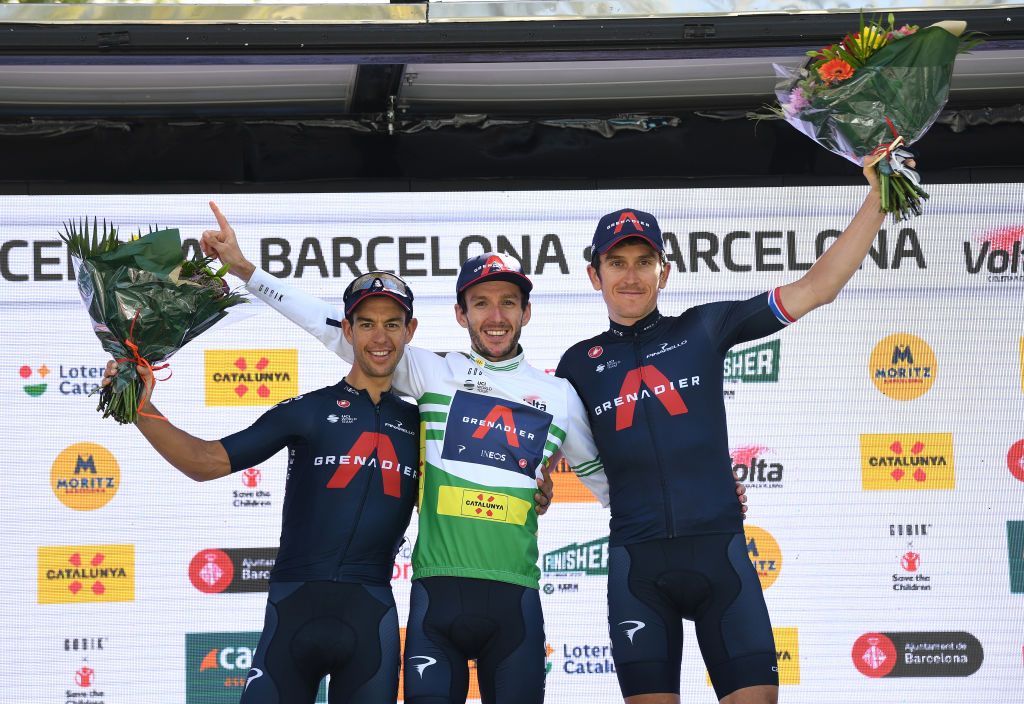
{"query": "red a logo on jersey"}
[(499, 417), (628, 216), (657, 384), (387, 461)]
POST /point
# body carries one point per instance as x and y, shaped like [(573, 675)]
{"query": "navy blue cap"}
[(377, 283), (617, 226), (491, 266)]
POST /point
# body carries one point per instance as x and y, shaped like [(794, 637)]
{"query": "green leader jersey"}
[(486, 429)]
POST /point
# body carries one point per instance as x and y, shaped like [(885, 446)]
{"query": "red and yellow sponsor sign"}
[(567, 486), (907, 461), (85, 476), (76, 574), (251, 377), (481, 504)]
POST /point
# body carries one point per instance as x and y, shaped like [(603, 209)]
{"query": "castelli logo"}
[(342, 403), (595, 352)]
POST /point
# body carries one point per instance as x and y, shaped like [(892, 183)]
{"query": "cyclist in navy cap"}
[(677, 549), (349, 495)]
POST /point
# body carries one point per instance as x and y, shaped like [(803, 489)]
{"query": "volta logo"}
[(1015, 546), (76, 574), (764, 553), (217, 570), (903, 366), (907, 461), (750, 467), (85, 476), (998, 254), (1015, 459), (917, 654), (35, 384), (251, 377), (643, 383), (371, 450)]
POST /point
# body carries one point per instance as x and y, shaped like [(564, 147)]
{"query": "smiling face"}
[(630, 276), (495, 318), (378, 333)]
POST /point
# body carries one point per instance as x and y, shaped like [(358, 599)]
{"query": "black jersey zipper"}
[(670, 527), (357, 515)]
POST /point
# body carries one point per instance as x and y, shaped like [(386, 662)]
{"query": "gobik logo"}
[(251, 377), (34, 379), (217, 570), (918, 654), (750, 466), (754, 365), (75, 574), (764, 553), (996, 254), (218, 665), (903, 366), (907, 461), (85, 476)]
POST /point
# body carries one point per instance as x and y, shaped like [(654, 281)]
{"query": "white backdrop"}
[(866, 572)]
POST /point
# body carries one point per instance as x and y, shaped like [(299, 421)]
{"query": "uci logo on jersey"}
[(504, 434)]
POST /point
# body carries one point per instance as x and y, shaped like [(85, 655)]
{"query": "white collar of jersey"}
[(505, 365)]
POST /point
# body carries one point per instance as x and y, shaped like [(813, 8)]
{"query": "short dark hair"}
[(595, 258)]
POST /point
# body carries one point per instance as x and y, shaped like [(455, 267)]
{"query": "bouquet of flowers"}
[(146, 302), (873, 92)]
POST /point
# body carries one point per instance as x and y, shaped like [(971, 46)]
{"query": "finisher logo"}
[(754, 365), (217, 570), (917, 654), (907, 461), (578, 558), (85, 476), (505, 435), (75, 574), (251, 377), (764, 553), (903, 366), (641, 384)]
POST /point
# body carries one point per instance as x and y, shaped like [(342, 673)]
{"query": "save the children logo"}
[(251, 377), (903, 366), (85, 476)]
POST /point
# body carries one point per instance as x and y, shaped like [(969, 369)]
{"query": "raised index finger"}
[(221, 220)]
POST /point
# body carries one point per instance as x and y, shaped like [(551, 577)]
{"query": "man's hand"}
[(545, 490), (223, 245), (144, 373), (741, 496)]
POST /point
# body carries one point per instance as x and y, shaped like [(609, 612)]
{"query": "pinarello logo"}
[(211, 571), (595, 351), (251, 477), (874, 654), (33, 378), (342, 403), (1015, 459)]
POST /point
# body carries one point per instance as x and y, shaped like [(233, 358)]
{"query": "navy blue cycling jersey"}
[(653, 392), (352, 481)]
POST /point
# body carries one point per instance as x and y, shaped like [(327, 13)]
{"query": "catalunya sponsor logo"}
[(76, 574), (907, 461), (251, 377)]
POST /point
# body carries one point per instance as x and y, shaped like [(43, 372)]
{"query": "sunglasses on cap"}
[(378, 283)]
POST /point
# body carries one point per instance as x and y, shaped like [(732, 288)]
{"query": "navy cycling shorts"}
[(456, 619), (707, 579), (313, 629)]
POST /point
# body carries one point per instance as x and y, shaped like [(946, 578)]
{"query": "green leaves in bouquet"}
[(84, 245)]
